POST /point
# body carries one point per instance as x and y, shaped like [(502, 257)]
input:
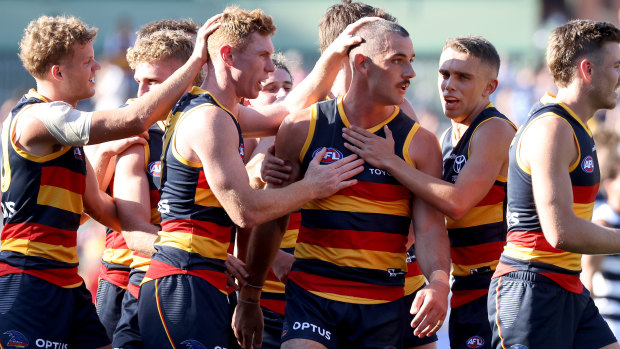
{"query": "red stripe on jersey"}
[(531, 239), (318, 283), (134, 290), (568, 282), (413, 269), (353, 239), (115, 240), (154, 197), (294, 222), (275, 305), (584, 194), (495, 196), (63, 178), (59, 277), (202, 181), (160, 269), (199, 228), (462, 297), (377, 191), (477, 254), (40, 233), (502, 269), (117, 277)]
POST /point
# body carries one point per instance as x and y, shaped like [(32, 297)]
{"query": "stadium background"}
[(518, 28)]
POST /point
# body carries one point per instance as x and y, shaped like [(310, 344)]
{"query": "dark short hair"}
[(476, 46)]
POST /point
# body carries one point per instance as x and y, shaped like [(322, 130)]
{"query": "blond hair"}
[(236, 27), (160, 45), (47, 40)]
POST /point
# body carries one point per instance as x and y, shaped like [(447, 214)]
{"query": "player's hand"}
[(113, 148), (248, 324), (375, 150), (282, 265), (326, 180), (430, 306), (235, 270), (273, 169), (346, 39), (200, 48)]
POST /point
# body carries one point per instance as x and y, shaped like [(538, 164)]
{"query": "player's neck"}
[(365, 112), (577, 101), (341, 84), (223, 90), (53, 93)]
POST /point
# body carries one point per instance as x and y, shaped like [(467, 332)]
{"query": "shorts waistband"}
[(528, 276)]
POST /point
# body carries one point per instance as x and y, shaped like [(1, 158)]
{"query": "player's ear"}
[(55, 72), (226, 54), (360, 62), (585, 69)]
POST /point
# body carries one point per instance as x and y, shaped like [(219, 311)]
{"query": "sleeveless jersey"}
[(352, 245), (42, 204), (140, 262), (272, 296), (527, 248), (196, 231), (476, 240)]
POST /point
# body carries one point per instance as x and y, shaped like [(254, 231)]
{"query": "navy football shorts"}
[(469, 325), (528, 310), (37, 314), (409, 340), (337, 324), (109, 304), (183, 310)]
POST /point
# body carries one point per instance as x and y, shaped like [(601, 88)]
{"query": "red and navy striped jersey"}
[(42, 204), (272, 296), (527, 248), (196, 231), (477, 239), (352, 245)]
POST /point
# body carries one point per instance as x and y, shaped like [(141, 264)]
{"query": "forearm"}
[(104, 212), (316, 85), (141, 241), (264, 244), (432, 251), (102, 164)]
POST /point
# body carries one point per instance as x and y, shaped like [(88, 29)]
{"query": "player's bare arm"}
[(488, 159), (432, 245), (548, 149), (132, 198)]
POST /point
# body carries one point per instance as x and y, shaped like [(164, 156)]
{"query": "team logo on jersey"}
[(475, 342), (284, 329), (587, 165), (155, 168), (331, 155), (193, 344), (16, 339), (78, 154), (459, 161)]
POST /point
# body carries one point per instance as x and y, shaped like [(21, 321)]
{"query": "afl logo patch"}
[(587, 165), (242, 151), (155, 169), (475, 342), (331, 155)]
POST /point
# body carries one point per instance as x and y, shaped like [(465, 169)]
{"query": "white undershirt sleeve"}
[(68, 125)]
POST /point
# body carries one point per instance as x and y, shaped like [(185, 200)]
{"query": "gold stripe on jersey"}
[(347, 299), (362, 205), (357, 258), (584, 210), (60, 198), (41, 249), (193, 243), (121, 256), (205, 197), (479, 215), (413, 283), (310, 136), (273, 286), (566, 260), (407, 143), (290, 238)]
